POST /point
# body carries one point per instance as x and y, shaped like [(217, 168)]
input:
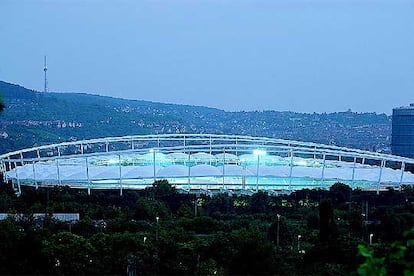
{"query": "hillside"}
[(35, 118)]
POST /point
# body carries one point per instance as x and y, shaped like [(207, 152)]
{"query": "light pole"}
[(145, 239), (277, 232), (370, 238), (156, 230), (299, 236), (195, 206), (364, 225)]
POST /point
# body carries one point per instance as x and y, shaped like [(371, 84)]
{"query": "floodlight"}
[(259, 152)]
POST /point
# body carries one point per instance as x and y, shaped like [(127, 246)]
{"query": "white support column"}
[(34, 175), (323, 169), (314, 152), (380, 175), (153, 165), (353, 169), (237, 147), (224, 170), (81, 148), (87, 175), (21, 159), (402, 173), (211, 146), (120, 175), (158, 142), (38, 153), (257, 173), (4, 171), (244, 178), (132, 144), (107, 146), (58, 171), (189, 172), (58, 151), (5, 168), (18, 181), (291, 168)]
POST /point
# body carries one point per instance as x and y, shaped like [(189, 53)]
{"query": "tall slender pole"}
[(224, 164), (380, 175), (353, 170), (87, 175), (210, 146), (120, 175), (34, 175), (291, 168), (189, 172), (257, 173), (402, 174), (45, 70), (58, 171), (18, 180), (277, 234), (153, 164), (156, 230), (323, 169)]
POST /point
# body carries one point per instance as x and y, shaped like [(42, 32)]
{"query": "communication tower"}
[(45, 70)]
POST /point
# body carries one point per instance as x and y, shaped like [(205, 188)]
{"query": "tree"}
[(1, 103), (340, 193), (259, 202), (254, 255), (162, 189), (327, 226), (146, 209), (114, 251), (69, 253), (219, 203), (11, 236)]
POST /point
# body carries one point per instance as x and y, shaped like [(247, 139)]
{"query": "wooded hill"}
[(34, 118)]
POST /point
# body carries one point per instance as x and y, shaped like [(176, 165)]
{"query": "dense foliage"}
[(1, 102), (312, 232)]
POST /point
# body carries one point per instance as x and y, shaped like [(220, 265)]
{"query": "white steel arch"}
[(202, 161)]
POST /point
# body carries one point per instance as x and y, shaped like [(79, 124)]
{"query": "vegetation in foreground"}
[(159, 231)]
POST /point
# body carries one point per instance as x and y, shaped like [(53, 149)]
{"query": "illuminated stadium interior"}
[(202, 162)]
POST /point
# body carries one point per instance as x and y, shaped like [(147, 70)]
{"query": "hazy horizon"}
[(164, 102), (301, 55)]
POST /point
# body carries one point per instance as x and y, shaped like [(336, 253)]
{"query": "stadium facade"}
[(202, 162), (402, 142)]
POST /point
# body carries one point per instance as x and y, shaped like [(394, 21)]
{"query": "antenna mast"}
[(45, 70)]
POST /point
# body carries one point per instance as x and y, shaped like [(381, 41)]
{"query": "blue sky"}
[(298, 55)]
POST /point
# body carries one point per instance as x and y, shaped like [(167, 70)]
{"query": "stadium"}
[(204, 163)]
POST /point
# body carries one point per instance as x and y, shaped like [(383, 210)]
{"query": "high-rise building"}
[(402, 142)]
